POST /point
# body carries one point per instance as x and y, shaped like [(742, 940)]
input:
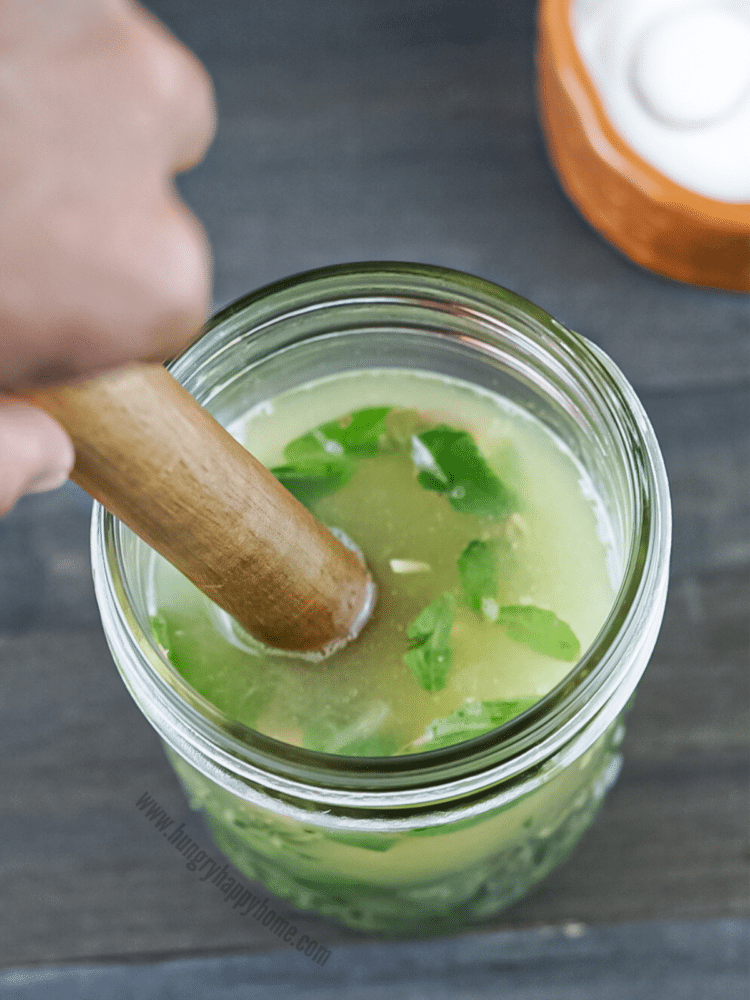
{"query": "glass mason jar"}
[(428, 841)]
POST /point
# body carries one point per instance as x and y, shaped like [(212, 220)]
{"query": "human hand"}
[(101, 261)]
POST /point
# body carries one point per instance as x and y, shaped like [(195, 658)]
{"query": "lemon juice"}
[(487, 543)]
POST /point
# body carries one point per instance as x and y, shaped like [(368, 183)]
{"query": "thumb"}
[(35, 452)]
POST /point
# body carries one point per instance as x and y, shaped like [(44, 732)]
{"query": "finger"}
[(35, 452), (182, 260), (197, 117), (135, 285), (187, 94)]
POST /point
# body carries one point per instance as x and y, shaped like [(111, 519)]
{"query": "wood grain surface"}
[(378, 129), (168, 470)]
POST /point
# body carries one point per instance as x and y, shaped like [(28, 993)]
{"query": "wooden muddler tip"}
[(150, 454)]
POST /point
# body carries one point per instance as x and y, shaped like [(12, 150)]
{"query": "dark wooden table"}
[(376, 129)]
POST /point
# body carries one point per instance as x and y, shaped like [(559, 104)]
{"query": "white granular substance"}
[(674, 78)]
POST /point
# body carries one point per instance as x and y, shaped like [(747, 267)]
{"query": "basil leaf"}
[(451, 463), (477, 568), (541, 630), (355, 435), (312, 480), (311, 448), (320, 462), (359, 433), (472, 719), (430, 656)]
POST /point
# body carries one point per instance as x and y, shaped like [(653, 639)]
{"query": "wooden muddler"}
[(157, 460)]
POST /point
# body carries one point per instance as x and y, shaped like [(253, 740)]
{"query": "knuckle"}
[(184, 80), (189, 267), (179, 284), (180, 85)]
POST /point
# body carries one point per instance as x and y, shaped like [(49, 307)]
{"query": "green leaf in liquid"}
[(311, 480), (430, 656), (355, 435), (472, 719), (359, 433), (450, 463), (477, 568), (541, 630), (320, 462)]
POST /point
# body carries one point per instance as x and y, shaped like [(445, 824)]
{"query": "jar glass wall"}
[(427, 841)]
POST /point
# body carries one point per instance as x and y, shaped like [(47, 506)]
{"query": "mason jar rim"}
[(603, 678)]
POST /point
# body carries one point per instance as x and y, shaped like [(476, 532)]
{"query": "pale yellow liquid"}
[(555, 553)]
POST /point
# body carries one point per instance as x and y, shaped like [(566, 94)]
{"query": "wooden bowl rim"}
[(616, 153)]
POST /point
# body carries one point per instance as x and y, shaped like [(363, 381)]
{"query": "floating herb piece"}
[(355, 435), (450, 463), (541, 630), (320, 462), (311, 480), (430, 656), (473, 719), (360, 434), (477, 568)]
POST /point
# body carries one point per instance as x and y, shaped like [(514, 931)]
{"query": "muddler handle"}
[(156, 459)]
